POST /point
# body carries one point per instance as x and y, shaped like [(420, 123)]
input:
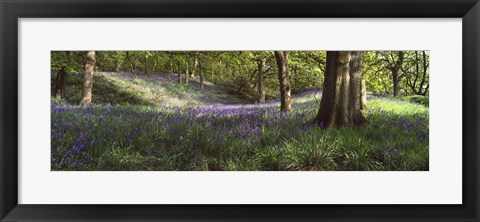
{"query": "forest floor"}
[(150, 122)]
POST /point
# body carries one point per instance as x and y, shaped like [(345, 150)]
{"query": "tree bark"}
[(187, 76), (395, 73), (282, 63), (260, 82), (195, 64), (88, 80), (363, 95), (342, 90)]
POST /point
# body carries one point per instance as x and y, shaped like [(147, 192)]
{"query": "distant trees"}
[(284, 79), (341, 102), (393, 61), (88, 80), (255, 75)]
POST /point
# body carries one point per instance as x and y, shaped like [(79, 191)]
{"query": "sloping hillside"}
[(151, 89)]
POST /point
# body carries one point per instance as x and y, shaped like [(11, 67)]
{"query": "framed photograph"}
[(224, 110)]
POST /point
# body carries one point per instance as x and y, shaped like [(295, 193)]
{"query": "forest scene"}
[(239, 110)]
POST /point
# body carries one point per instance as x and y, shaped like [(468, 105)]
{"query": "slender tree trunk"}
[(187, 76), (284, 79), (341, 99), (171, 69), (88, 80), (260, 82), (117, 66), (146, 64), (195, 64), (425, 68), (179, 74), (132, 64), (201, 77)]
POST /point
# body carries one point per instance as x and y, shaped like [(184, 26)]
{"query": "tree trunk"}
[(282, 63), (363, 95), (342, 90), (146, 63), (201, 78), (195, 64), (179, 74), (60, 83), (171, 69), (357, 84), (88, 80), (260, 83), (61, 79), (117, 66), (396, 84), (132, 64), (425, 68), (187, 76), (395, 74)]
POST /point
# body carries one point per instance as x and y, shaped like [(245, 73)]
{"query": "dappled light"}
[(221, 116)]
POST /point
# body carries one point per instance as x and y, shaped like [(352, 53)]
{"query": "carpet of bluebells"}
[(234, 138), (241, 137)]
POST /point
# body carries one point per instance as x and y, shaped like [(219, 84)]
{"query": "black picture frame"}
[(12, 10)]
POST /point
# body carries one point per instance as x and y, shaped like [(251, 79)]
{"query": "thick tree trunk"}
[(282, 63), (396, 83), (342, 90), (260, 83), (363, 95), (88, 80)]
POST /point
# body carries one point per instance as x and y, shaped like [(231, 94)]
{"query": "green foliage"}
[(68, 61), (148, 121), (414, 79), (424, 100)]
